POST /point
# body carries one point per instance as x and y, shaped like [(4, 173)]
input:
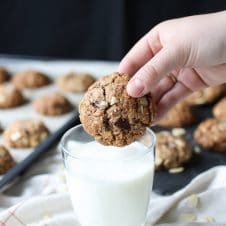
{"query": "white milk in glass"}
[(110, 186)]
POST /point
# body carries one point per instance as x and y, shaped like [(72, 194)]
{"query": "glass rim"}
[(66, 151)]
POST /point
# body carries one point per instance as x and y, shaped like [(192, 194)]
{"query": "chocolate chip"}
[(122, 124)]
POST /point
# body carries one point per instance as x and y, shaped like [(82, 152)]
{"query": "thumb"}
[(147, 77)]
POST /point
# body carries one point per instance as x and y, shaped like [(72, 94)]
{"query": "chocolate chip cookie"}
[(30, 79), (211, 134), (179, 116), (219, 110), (4, 75), (10, 97), (109, 114), (171, 151), (25, 133), (75, 82), (206, 96), (6, 160), (52, 104)]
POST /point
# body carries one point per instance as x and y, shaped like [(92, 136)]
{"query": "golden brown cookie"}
[(171, 151), (179, 116), (52, 104), (75, 82), (10, 96), (4, 75), (6, 160), (113, 117), (211, 134), (206, 96), (25, 133), (219, 110), (30, 79)]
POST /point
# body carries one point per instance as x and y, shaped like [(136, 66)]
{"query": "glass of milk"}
[(109, 186)]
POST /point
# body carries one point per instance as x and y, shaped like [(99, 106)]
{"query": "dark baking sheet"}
[(166, 183)]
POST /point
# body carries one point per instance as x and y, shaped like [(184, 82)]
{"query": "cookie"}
[(75, 82), (25, 133), (219, 110), (52, 104), (211, 134), (206, 96), (30, 79), (171, 151), (179, 116), (10, 97), (4, 75), (6, 160), (109, 114)]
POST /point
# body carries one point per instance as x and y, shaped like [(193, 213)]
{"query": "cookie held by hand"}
[(109, 114)]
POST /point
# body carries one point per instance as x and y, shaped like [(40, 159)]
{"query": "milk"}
[(109, 186)]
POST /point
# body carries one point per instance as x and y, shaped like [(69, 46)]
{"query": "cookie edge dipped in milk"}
[(111, 178)]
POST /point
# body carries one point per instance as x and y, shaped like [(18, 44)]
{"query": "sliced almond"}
[(180, 143), (193, 200), (187, 217), (176, 170), (15, 136), (113, 100), (197, 150), (178, 131), (210, 219)]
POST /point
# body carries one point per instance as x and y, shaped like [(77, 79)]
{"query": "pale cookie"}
[(219, 110), (75, 82), (6, 160), (171, 151), (113, 117), (4, 75), (52, 104), (206, 96), (25, 133), (179, 116), (211, 134), (30, 79), (10, 97)]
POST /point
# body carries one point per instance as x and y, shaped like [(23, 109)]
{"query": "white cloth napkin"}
[(41, 199)]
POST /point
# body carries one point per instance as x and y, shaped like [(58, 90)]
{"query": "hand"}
[(176, 58)]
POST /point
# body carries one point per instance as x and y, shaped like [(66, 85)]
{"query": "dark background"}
[(86, 29)]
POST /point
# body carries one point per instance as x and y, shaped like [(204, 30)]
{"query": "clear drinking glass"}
[(108, 186)]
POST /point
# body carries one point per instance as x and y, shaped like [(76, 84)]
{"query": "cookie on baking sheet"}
[(52, 104), (10, 97), (207, 95), (30, 79), (4, 75), (75, 82), (109, 114), (6, 160), (211, 134), (171, 151), (179, 116), (219, 110), (25, 133)]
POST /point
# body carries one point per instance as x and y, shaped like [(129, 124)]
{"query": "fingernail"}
[(135, 87)]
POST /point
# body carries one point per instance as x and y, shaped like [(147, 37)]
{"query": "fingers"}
[(136, 57), (164, 86), (147, 77), (177, 93)]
